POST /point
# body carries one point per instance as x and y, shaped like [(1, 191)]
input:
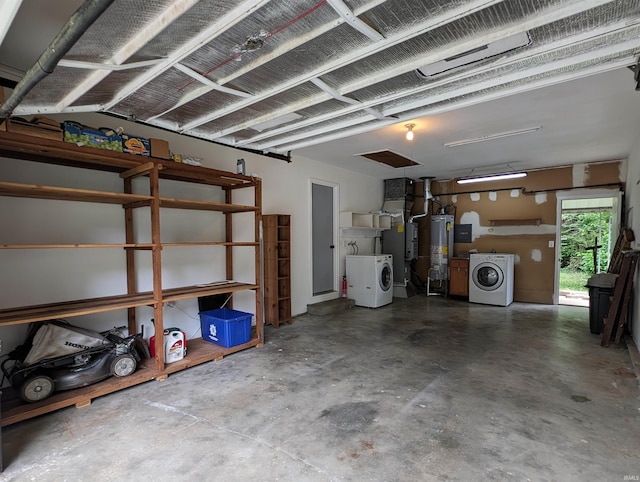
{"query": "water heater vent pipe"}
[(427, 196)]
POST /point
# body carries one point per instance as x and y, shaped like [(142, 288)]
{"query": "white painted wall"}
[(632, 216), (41, 276)]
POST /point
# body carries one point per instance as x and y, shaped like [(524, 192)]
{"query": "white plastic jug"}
[(173, 346)]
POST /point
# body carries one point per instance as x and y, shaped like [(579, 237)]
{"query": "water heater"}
[(441, 246)]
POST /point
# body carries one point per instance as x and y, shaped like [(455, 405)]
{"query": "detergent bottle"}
[(173, 346), (152, 341)]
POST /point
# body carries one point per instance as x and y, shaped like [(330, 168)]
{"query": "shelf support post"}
[(156, 255)]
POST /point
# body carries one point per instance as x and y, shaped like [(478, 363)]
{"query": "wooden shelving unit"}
[(128, 167), (277, 268)]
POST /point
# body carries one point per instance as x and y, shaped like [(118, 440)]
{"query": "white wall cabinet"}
[(356, 220)]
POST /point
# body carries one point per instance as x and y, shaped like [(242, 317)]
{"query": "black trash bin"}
[(600, 292)]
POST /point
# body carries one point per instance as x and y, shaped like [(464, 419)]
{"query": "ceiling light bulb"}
[(409, 134)]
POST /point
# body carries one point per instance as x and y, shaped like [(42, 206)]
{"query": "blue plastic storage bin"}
[(226, 327)]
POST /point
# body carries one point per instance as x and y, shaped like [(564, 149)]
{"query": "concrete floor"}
[(423, 389)]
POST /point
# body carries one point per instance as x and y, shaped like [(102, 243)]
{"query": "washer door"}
[(488, 276), (385, 277)]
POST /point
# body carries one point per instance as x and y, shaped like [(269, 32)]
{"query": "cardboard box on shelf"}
[(84, 136), (136, 145), (159, 148)]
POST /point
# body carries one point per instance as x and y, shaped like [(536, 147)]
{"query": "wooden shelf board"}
[(206, 206), (213, 243), (35, 191), (65, 154), (58, 152), (84, 195), (15, 410), (26, 314), (58, 246), (187, 292), (204, 175), (200, 351)]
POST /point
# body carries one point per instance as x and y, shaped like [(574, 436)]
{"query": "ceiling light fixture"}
[(499, 135), (409, 135), (493, 177)]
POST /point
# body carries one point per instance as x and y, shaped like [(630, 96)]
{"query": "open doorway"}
[(588, 231)]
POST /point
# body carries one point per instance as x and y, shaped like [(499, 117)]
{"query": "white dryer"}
[(370, 280), (491, 278)]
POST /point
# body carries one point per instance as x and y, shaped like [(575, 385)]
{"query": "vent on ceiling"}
[(492, 49), (389, 158)]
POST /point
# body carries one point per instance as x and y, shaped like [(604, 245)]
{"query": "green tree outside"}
[(579, 233)]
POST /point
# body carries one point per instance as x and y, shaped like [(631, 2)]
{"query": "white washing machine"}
[(491, 278), (370, 280)]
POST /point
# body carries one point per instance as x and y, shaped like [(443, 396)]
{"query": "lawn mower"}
[(59, 356)]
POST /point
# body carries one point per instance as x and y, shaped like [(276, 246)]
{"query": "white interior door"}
[(323, 238)]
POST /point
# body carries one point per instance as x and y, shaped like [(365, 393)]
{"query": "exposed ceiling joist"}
[(454, 105), (414, 31), (134, 44), (275, 76), (550, 15), (547, 50), (409, 107), (210, 83), (353, 20), (233, 17), (280, 50)]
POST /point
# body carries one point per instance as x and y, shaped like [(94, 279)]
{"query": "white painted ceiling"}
[(572, 79)]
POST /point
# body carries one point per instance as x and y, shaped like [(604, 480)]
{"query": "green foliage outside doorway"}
[(579, 234)]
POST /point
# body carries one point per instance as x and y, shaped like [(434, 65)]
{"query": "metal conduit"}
[(78, 23)]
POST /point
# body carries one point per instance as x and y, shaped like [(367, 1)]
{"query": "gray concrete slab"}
[(330, 307), (423, 389)]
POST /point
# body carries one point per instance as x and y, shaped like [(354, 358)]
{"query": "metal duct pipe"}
[(77, 24), (427, 196)]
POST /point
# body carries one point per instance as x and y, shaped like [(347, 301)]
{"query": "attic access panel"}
[(389, 158)]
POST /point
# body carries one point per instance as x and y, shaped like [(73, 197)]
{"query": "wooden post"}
[(621, 294), (156, 253), (130, 256)]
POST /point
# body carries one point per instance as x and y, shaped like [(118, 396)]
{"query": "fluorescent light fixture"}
[(494, 177), (492, 49), (499, 135)]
